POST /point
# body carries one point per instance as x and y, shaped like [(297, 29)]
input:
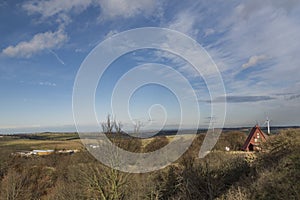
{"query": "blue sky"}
[(255, 45)]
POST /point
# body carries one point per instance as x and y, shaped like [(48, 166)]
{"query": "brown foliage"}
[(273, 174), (157, 143)]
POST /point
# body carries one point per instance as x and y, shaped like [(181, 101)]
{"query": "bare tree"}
[(118, 127), (108, 126), (104, 183), (137, 128), (13, 185)]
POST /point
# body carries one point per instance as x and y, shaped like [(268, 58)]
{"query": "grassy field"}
[(58, 141), (48, 140), (40, 141)]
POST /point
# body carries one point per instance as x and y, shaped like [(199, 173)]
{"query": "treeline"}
[(273, 174)]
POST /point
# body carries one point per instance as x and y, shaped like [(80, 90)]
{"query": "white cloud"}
[(254, 60), (59, 9), (79, 50), (39, 42), (260, 28), (184, 22), (51, 8), (254, 32), (208, 32), (46, 83), (109, 8), (127, 8)]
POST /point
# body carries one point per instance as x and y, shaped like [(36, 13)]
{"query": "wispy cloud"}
[(109, 8), (185, 22), (254, 60), (46, 83), (54, 7), (127, 8), (239, 99), (254, 33), (209, 31), (38, 43), (59, 12)]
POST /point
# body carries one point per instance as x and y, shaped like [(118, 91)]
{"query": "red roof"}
[(254, 139)]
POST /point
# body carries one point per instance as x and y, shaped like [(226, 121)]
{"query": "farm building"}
[(254, 139), (42, 152)]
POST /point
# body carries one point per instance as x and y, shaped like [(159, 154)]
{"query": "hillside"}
[(273, 173)]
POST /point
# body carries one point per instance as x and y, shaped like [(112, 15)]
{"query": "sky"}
[(255, 45)]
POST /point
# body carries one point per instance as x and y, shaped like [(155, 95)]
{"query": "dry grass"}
[(27, 144)]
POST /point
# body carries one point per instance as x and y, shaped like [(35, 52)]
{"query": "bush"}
[(273, 174), (277, 169), (157, 143), (234, 140), (129, 144)]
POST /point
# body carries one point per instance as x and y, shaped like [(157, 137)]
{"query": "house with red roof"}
[(254, 140)]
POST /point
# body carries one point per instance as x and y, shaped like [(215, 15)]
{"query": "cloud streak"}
[(109, 8), (39, 42), (127, 8), (46, 83), (254, 60), (57, 57), (185, 22), (240, 99), (54, 7)]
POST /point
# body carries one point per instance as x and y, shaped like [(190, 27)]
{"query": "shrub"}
[(157, 143)]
